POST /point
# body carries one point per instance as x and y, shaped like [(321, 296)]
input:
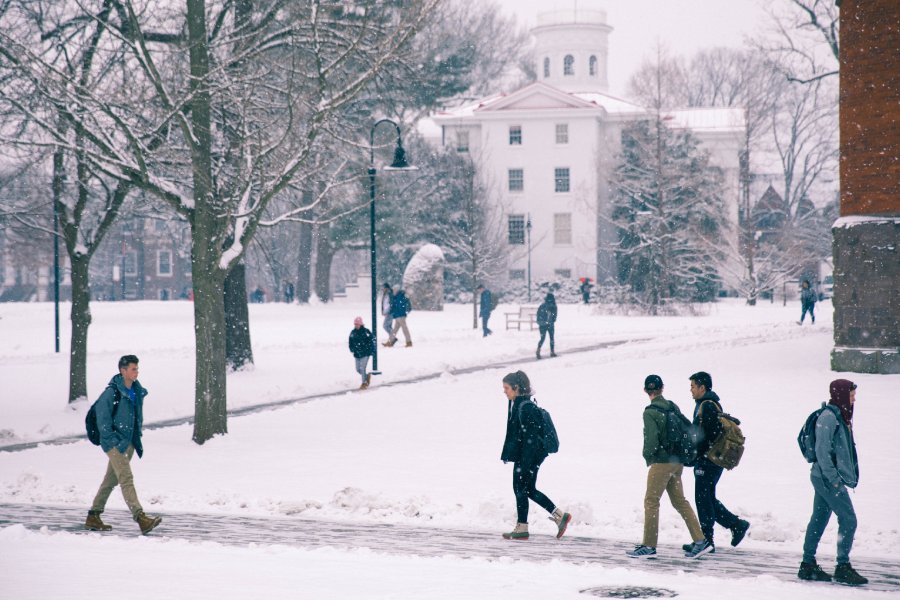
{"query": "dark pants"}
[(808, 307), (484, 324), (545, 329), (524, 487), (830, 500), (709, 510)]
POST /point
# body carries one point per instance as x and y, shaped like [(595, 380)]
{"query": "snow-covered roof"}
[(612, 104), (706, 119)]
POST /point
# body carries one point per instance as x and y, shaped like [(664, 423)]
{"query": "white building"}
[(546, 151)]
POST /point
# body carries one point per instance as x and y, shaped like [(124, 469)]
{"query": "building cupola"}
[(571, 46)]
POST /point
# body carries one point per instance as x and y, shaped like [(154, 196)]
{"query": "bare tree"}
[(804, 40)]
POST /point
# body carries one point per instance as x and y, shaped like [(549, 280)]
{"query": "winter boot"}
[(538, 354), (552, 354), (562, 521), (811, 571), (95, 523), (364, 385), (844, 573), (146, 522), (520, 532), (408, 344), (389, 343), (739, 531)]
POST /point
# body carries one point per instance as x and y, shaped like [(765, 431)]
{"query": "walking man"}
[(387, 295), (546, 320), (361, 342), (835, 470), (807, 302), (484, 311), (706, 474), (400, 307), (120, 419), (664, 475)]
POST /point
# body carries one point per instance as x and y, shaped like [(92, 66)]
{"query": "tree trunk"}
[(304, 262), (324, 256), (238, 351), (81, 320)]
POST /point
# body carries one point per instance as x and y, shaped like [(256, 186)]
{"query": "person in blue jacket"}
[(400, 307), (836, 469), (120, 419), (485, 308)]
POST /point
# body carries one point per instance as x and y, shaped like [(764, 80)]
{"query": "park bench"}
[(525, 315)]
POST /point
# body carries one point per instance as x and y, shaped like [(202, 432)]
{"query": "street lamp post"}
[(399, 164), (528, 231)]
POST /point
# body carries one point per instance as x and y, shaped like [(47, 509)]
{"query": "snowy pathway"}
[(883, 574)]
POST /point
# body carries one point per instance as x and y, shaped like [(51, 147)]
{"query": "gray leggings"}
[(830, 500)]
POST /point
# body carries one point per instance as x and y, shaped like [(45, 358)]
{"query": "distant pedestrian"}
[(707, 408), (400, 307), (486, 306), (586, 290), (664, 475), (361, 342), (258, 296), (835, 470), (523, 446), (807, 302), (289, 292), (120, 419), (387, 295), (546, 320)]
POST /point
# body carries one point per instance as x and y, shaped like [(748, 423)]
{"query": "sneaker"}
[(811, 571), (95, 523), (844, 573), (687, 548), (519, 532), (700, 548), (642, 551), (738, 533)]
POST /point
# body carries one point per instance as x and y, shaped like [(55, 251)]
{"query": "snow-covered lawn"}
[(426, 453)]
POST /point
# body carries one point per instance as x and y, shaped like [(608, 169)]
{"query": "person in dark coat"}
[(485, 302), (400, 307), (120, 419), (546, 320), (807, 302), (523, 446), (361, 342), (707, 408), (836, 469), (586, 290)]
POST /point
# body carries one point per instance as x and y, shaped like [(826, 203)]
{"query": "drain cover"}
[(628, 591)]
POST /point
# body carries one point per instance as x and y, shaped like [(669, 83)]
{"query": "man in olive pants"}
[(120, 419)]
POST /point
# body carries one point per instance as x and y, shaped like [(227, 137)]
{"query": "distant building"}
[(547, 150)]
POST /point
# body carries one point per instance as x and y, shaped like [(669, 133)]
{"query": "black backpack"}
[(807, 437), (680, 439), (90, 421), (549, 437)]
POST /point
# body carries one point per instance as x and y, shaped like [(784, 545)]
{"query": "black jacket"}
[(485, 304), (523, 433), (546, 314), (361, 342), (707, 420)]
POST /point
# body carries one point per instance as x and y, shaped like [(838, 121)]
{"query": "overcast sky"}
[(683, 26)]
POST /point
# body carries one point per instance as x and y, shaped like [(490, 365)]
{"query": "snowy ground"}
[(424, 453)]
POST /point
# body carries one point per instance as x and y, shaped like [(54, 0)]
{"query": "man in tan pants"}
[(664, 475), (120, 418)]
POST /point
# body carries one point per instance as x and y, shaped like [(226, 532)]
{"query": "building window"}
[(561, 179), (563, 273), (562, 133), (592, 66), (130, 259), (562, 229), (164, 263), (569, 65), (517, 229), (462, 140), (546, 67), (517, 274), (515, 135), (516, 180)]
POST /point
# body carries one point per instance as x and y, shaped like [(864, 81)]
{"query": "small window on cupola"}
[(592, 66), (546, 67), (569, 65)]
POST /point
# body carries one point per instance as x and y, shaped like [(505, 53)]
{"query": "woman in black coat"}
[(524, 447)]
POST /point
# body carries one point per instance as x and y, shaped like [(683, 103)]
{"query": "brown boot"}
[(408, 344), (95, 523), (146, 522)]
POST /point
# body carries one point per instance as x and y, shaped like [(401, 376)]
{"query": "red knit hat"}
[(840, 396)]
